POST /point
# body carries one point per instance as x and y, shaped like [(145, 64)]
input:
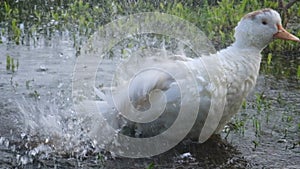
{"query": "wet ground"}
[(39, 129)]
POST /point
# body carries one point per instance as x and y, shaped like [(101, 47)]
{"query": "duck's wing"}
[(144, 97), (155, 92)]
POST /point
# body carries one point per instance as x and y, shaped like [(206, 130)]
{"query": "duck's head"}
[(257, 29)]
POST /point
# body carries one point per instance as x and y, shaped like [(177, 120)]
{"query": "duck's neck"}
[(247, 45), (241, 64), (249, 56)]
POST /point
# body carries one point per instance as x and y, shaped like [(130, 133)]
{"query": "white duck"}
[(223, 80)]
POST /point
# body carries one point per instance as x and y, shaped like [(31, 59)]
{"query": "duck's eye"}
[(264, 22)]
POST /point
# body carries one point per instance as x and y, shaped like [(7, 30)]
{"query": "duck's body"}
[(241, 68), (223, 80)]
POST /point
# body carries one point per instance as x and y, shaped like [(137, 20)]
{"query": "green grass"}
[(150, 166), (11, 64), (217, 20), (82, 18)]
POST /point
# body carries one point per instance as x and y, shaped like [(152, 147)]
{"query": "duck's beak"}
[(285, 35)]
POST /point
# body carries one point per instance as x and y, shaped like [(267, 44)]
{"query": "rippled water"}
[(39, 128)]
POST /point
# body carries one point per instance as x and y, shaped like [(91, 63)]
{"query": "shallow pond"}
[(39, 128)]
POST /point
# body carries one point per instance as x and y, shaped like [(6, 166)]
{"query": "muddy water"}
[(39, 128), (270, 136)]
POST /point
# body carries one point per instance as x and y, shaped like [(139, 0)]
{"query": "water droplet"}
[(13, 148), (25, 160), (60, 85), (42, 68), (6, 143), (282, 141), (186, 155), (2, 139), (33, 152), (23, 135)]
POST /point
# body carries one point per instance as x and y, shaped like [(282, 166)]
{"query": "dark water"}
[(39, 128)]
